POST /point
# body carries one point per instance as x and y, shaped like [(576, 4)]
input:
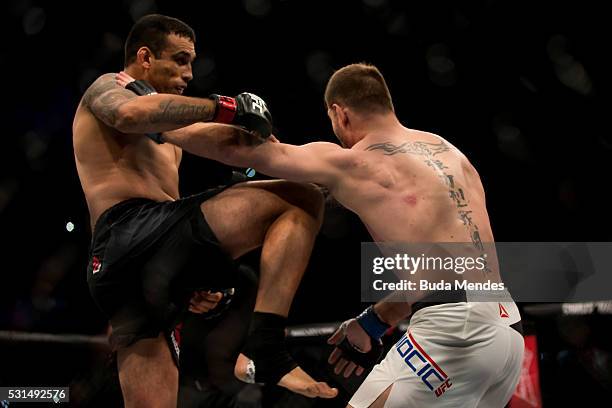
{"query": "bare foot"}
[(301, 383), (296, 381)]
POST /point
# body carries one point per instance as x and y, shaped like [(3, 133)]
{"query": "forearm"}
[(227, 144), (162, 112), (391, 311), (237, 147)]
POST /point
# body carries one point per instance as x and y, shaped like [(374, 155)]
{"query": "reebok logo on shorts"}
[(423, 365), (502, 311), (96, 264)]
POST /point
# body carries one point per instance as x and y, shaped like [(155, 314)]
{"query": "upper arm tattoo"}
[(104, 98)]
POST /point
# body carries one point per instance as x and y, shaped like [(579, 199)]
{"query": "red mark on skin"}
[(410, 199)]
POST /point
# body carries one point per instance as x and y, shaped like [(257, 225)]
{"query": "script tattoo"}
[(455, 192), (178, 113)]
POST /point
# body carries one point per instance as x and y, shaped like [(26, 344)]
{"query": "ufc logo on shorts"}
[(423, 365)]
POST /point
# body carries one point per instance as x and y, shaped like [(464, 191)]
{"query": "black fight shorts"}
[(145, 261)]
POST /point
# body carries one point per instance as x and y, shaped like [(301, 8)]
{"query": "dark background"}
[(522, 88)]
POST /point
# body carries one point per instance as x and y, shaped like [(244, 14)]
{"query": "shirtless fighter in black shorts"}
[(152, 251)]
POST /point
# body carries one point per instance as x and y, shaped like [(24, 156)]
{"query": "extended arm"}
[(314, 162)]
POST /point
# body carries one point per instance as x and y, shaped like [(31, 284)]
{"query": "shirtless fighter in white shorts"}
[(406, 186)]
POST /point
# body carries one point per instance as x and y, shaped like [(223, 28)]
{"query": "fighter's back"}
[(115, 166), (414, 186)]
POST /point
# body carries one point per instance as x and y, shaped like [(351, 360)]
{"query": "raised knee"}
[(305, 196), (312, 201)]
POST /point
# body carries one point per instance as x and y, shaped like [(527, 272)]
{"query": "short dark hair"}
[(151, 31), (361, 87)]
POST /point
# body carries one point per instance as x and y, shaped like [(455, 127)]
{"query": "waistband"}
[(517, 326), (115, 211), (456, 296)]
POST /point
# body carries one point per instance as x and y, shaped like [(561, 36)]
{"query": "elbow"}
[(126, 119)]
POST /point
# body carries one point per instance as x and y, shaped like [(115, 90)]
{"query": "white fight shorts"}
[(452, 355)]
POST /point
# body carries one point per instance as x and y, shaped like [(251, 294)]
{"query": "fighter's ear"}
[(144, 56), (342, 114), (338, 113)]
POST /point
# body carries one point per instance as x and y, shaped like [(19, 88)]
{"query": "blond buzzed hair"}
[(360, 87)]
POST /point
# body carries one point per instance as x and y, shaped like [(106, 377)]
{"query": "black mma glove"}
[(366, 330), (246, 110)]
